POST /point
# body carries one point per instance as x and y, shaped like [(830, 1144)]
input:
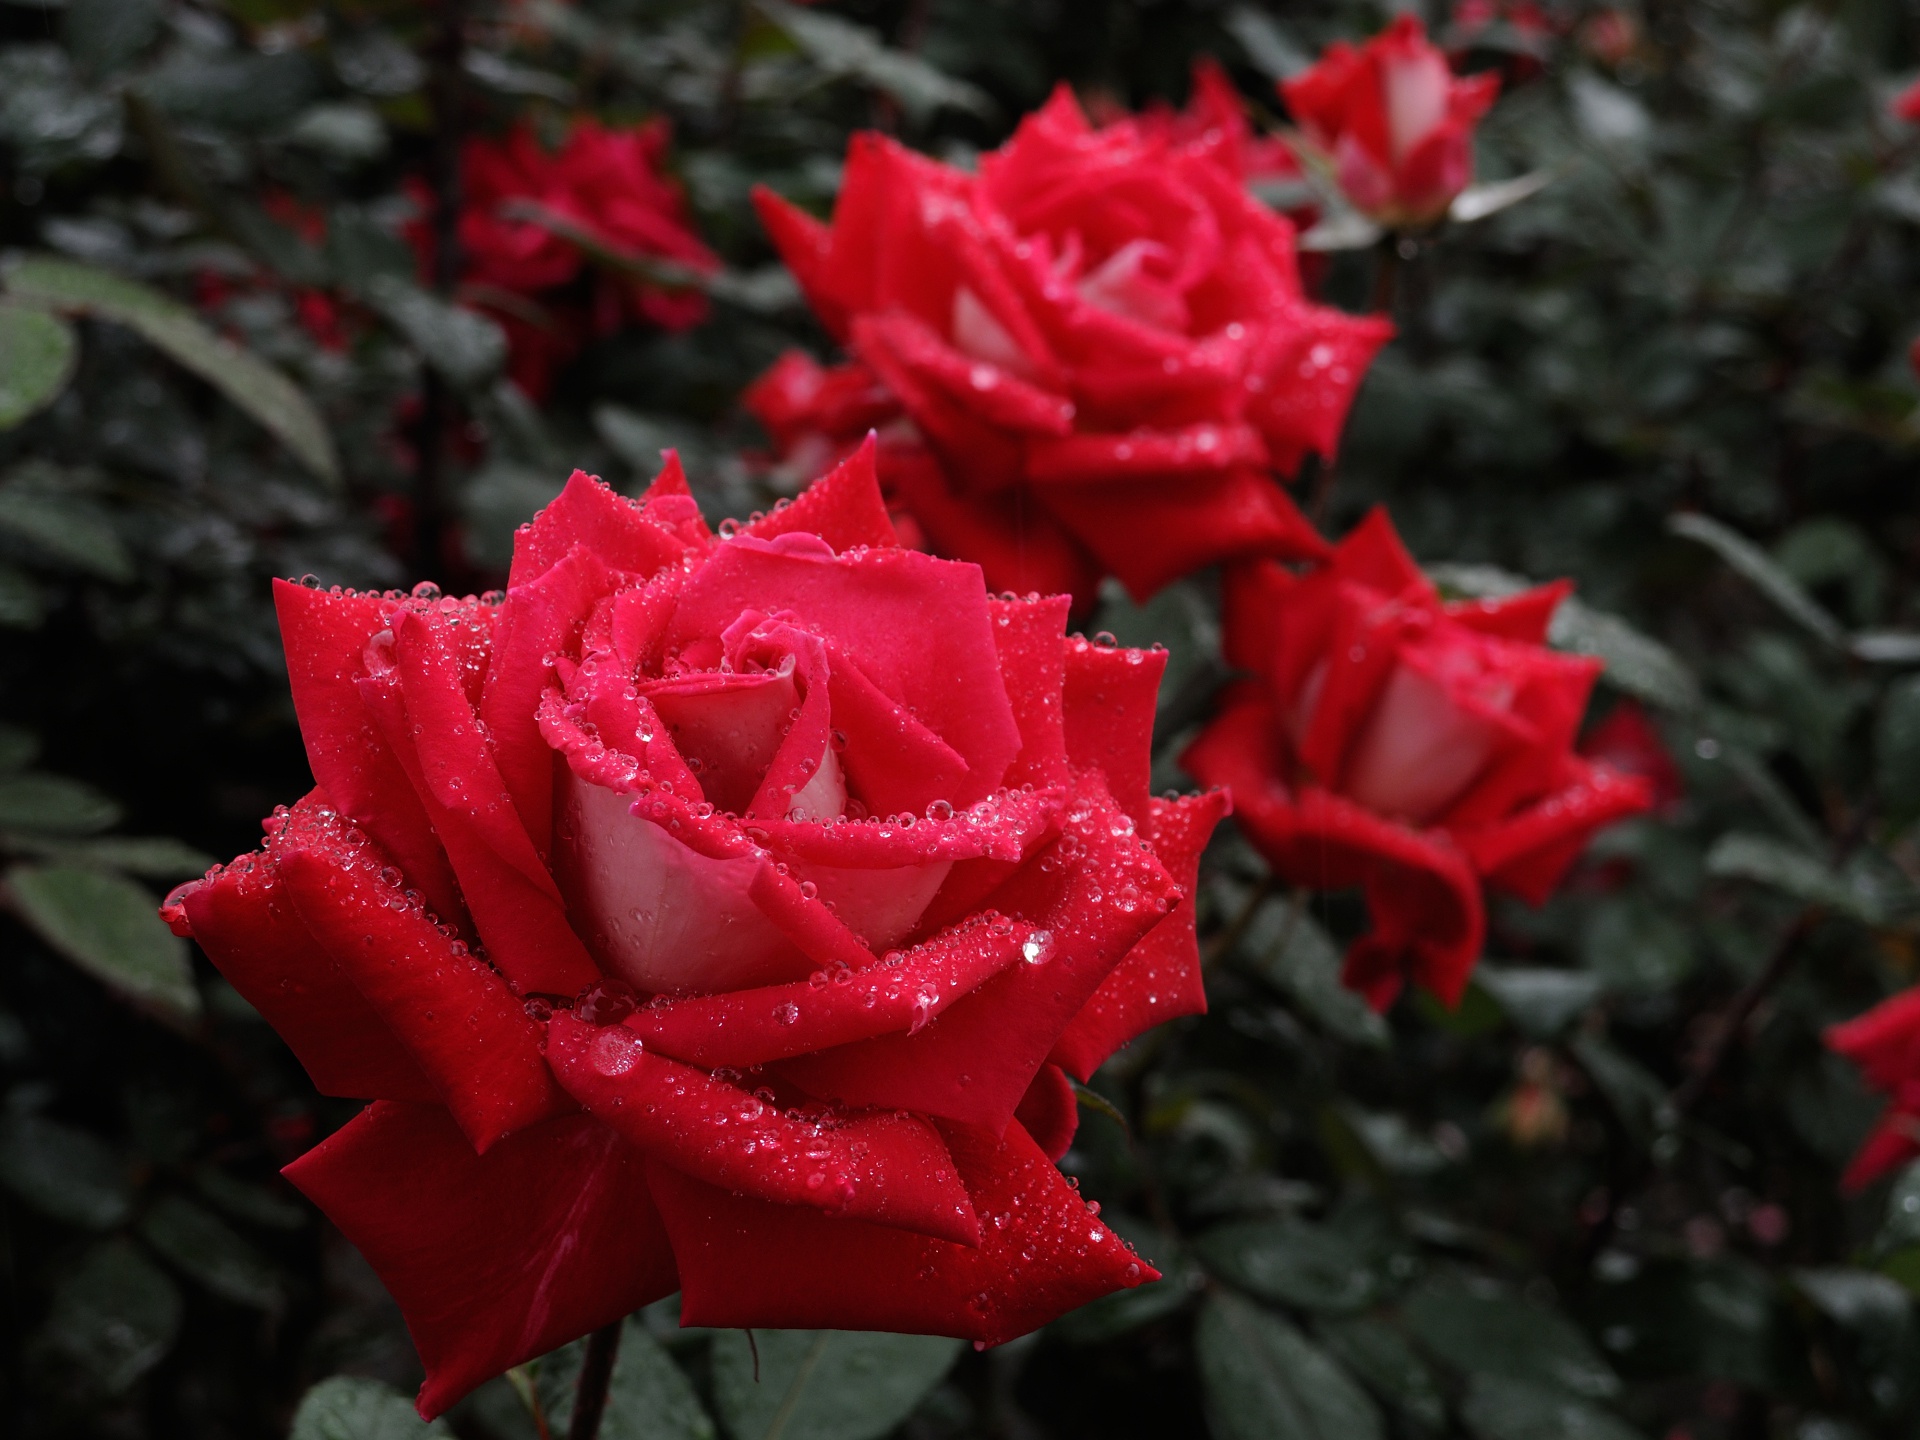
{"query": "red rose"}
[(713, 915), (1885, 1044), (1628, 741), (1100, 337), (1406, 745), (1394, 122), (1906, 105)]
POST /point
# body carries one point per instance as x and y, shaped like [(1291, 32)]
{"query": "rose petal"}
[(588, 513), (843, 507), (887, 1169), (1050, 1112), (1111, 694), (496, 1258)]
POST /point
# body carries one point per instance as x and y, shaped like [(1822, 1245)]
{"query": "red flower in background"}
[(1628, 742), (1100, 338), (604, 192), (1410, 746), (713, 915), (1394, 121), (1528, 26), (1885, 1044), (1906, 105)]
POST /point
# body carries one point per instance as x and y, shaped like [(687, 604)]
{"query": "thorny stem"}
[(590, 1397), (430, 501)]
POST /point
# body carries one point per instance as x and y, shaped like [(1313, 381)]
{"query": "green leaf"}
[(648, 1398), (1858, 1299), (1477, 202), (348, 1407), (1313, 1267), (22, 604), (1902, 1225), (211, 1252), (18, 747), (1497, 1408), (1540, 1002), (1896, 748), (1267, 44), (1634, 1092), (113, 1318), (842, 48), (155, 858), (1784, 866), (53, 805), (461, 344), (824, 1384), (499, 498), (103, 35), (255, 1204), (240, 91), (109, 927), (1387, 1365), (67, 528), (244, 378), (1290, 950), (63, 1172), (37, 352), (1760, 570), (1262, 1378), (1636, 948), (1482, 1329)]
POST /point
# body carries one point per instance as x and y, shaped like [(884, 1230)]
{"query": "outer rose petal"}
[(1530, 851), (1033, 662), (1111, 694), (1884, 1041), (463, 1027), (1425, 899), (588, 513), (888, 1168), (255, 938), (1050, 1112), (493, 1258), (1890, 1144), (843, 507), (1160, 979), (1042, 1253)]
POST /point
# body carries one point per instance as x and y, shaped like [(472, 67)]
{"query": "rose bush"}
[(1410, 746), (603, 191), (714, 914), (1100, 340), (1393, 122)]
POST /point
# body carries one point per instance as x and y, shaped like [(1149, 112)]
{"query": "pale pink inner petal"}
[(1416, 91), (1420, 749), (1123, 285), (978, 334), (653, 912), (824, 797), (728, 727), (880, 906)]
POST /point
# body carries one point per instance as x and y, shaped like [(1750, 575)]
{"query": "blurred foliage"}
[(1580, 1205)]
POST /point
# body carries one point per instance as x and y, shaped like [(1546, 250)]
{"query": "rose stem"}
[(590, 1398)]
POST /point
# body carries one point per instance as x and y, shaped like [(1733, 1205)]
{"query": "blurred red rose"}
[(1410, 746), (1394, 122), (1628, 741), (1885, 1044), (1100, 337), (1611, 36), (1530, 32), (1906, 105), (604, 194), (722, 915)]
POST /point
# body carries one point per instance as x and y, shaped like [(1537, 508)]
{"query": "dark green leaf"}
[(103, 35), (18, 747), (648, 1398), (1636, 947), (1484, 1330), (348, 1407), (64, 1172), (245, 92), (1262, 1378), (1310, 1266), (1635, 1093), (22, 604), (1387, 1365), (824, 1384), (37, 352), (842, 48), (113, 1318), (1497, 1408), (1289, 949), (1759, 569), (255, 1204), (1784, 866), (212, 1252), (1902, 1225), (245, 379), (461, 344), (69, 529), (110, 928), (53, 805), (1896, 748), (156, 858), (1538, 1001)]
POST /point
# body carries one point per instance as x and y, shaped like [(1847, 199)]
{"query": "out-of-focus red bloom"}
[(606, 193), (1412, 747), (1906, 105), (1526, 23), (1885, 1044), (1100, 337), (1611, 36), (714, 913), (1913, 354), (1628, 741), (1214, 121), (1394, 121)]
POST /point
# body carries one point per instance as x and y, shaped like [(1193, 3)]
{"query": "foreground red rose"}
[(1100, 337), (609, 190), (722, 915), (1394, 122), (1885, 1044), (1406, 745)]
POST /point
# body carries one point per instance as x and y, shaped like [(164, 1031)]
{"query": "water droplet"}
[(786, 1013), (615, 1051), (1037, 948), (940, 810)]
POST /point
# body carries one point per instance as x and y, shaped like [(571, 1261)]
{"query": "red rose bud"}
[(1100, 339), (1394, 123), (1409, 746), (1885, 1044), (713, 914)]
